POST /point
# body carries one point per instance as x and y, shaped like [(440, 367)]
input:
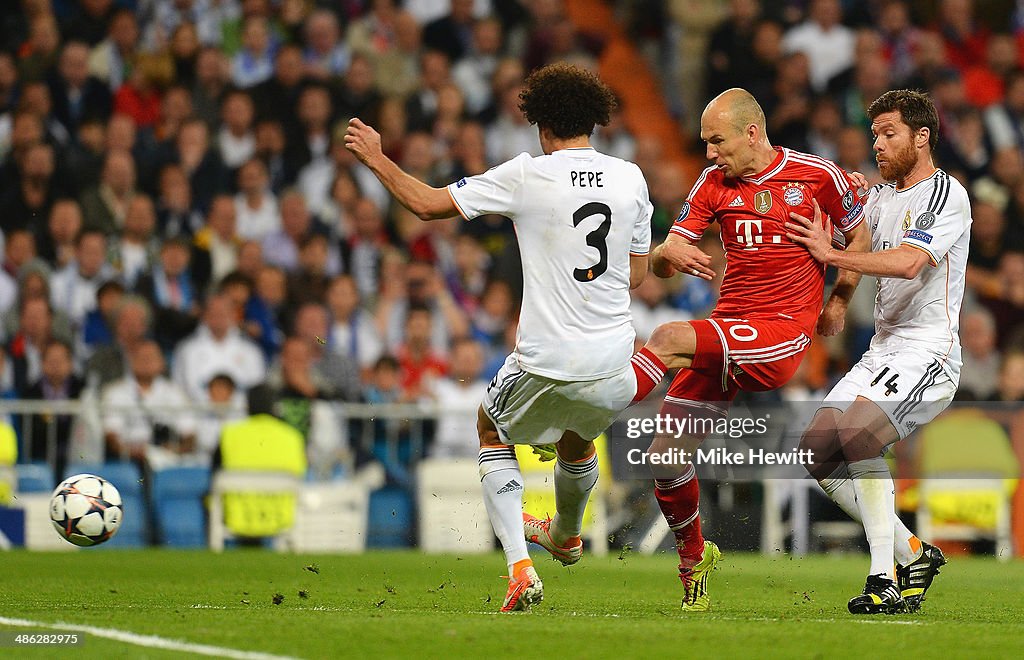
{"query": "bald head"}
[(733, 128), (740, 108)]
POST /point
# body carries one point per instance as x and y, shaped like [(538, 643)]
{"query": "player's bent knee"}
[(571, 447), (674, 343)]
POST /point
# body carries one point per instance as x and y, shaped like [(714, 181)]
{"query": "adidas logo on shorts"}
[(510, 486)]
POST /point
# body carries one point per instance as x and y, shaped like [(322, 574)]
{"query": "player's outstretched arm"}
[(427, 202), (904, 262), (677, 254)]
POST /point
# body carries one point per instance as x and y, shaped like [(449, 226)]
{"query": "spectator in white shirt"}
[(236, 138), (146, 409), (73, 288), (827, 43), (134, 250), (217, 347), (353, 331), (457, 396), (255, 204)]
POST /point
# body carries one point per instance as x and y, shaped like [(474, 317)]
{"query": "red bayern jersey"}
[(767, 273)]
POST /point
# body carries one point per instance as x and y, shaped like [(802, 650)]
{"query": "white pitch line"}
[(149, 641)]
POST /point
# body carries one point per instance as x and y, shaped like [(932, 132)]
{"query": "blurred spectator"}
[(254, 62), (255, 204), (212, 81), (73, 288), (19, 250), (496, 311), (338, 374), (615, 138), (981, 357), (8, 293), (385, 382), (1007, 303), (309, 281), (426, 290), (352, 332), (25, 349), (110, 60), (357, 96), (141, 97), (281, 248), (227, 406), (264, 312), (668, 188), (1011, 378), (38, 55), (133, 251), (899, 37), (104, 206), (1005, 121), (217, 244), (419, 363), (217, 347), (131, 322), (510, 134), (57, 246), (51, 434), (145, 410), (277, 97), (458, 396), (201, 164), (172, 292), (326, 55), (97, 330), (27, 203), (74, 92), (362, 249), (297, 384), (451, 34), (730, 56), (696, 21), (270, 144), (964, 37), (177, 215), (969, 149), (421, 106), (650, 307), (311, 140), (984, 82), (236, 140), (397, 67), (854, 153), (827, 43)]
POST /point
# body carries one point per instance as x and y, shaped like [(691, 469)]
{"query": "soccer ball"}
[(86, 509)]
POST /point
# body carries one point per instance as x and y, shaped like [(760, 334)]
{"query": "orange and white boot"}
[(524, 588), (539, 531)]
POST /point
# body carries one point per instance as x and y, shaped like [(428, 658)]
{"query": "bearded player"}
[(583, 222), (920, 234), (771, 297)]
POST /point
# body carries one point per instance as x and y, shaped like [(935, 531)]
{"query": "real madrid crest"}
[(792, 194), (763, 201), (906, 221)]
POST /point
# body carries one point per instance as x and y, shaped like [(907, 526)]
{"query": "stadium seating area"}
[(172, 175)]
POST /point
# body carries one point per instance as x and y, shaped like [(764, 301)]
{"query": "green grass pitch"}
[(405, 604)]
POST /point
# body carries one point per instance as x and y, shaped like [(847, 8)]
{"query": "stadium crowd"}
[(181, 220)]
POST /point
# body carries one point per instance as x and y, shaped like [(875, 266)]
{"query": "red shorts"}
[(755, 355)]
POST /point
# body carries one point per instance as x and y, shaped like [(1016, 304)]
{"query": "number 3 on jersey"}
[(597, 238), (890, 385)]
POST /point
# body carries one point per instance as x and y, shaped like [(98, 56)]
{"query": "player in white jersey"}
[(920, 226), (583, 224)]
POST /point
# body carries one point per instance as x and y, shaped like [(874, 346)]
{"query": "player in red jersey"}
[(771, 296)]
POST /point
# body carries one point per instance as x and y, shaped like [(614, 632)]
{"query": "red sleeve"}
[(838, 198), (698, 210)]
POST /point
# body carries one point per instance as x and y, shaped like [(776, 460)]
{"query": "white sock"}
[(876, 501), (573, 483), (503, 496), (839, 488)]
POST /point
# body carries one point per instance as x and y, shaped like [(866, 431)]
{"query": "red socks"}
[(649, 370), (679, 499)]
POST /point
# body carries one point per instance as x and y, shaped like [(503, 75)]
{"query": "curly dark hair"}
[(567, 100), (915, 108)]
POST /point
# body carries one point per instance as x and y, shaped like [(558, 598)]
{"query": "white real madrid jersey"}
[(933, 215), (578, 216)]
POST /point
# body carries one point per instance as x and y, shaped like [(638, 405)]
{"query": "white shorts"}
[(528, 409), (908, 384)]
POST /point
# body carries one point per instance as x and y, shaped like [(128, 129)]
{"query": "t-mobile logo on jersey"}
[(748, 233)]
